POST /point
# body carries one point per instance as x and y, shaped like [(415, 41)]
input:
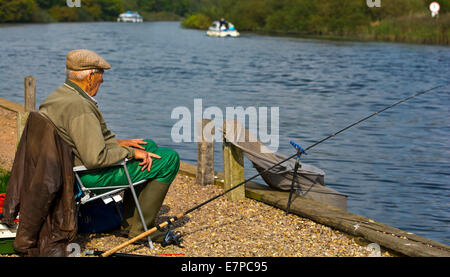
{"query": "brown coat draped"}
[(40, 190)]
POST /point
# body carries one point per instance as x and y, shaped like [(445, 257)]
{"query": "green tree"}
[(47, 4), (292, 16), (93, 9), (63, 13), (147, 5), (248, 15), (197, 21), (17, 10), (110, 9), (179, 7)]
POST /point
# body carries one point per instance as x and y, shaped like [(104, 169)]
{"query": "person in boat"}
[(223, 24), (74, 111)]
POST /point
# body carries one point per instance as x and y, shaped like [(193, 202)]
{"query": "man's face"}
[(96, 79)]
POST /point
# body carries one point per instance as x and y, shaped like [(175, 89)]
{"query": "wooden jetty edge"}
[(386, 236)]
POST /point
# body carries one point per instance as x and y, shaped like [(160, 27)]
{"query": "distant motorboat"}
[(130, 16), (215, 30)]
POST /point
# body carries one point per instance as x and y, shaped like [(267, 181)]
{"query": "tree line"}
[(397, 20), (307, 16), (283, 15), (90, 10)]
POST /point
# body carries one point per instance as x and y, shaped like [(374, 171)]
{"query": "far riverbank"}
[(415, 29)]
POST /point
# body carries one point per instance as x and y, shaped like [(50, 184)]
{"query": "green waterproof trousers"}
[(150, 194), (163, 170)]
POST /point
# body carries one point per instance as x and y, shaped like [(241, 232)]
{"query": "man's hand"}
[(146, 158), (132, 143)]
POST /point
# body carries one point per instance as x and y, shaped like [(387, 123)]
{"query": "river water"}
[(394, 167)]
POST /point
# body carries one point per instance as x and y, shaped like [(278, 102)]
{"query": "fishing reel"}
[(173, 238)]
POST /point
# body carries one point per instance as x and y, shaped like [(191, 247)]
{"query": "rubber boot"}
[(151, 196)]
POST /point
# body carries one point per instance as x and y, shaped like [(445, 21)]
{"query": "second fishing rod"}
[(300, 151)]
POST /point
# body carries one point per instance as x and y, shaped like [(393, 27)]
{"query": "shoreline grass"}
[(4, 178)]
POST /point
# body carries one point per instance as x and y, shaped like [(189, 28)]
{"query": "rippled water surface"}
[(395, 167)]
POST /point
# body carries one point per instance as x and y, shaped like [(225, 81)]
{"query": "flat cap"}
[(83, 59)]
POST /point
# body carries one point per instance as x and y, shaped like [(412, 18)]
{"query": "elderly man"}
[(73, 110)]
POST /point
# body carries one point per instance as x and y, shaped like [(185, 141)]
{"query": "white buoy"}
[(434, 8)]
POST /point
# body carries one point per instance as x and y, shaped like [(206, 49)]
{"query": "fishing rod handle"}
[(142, 235)]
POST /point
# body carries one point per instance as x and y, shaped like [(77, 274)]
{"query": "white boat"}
[(215, 30), (130, 16)]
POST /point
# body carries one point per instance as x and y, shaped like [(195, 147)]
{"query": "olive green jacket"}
[(80, 123)]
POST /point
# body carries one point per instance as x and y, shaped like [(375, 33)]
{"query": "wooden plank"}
[(188, 169), (205, 152), (233, 169), (11, 106)]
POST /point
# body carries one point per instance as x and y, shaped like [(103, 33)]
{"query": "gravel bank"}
[(223, 228), (244, 228)]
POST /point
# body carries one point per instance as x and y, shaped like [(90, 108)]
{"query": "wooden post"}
[(205, 152), (30, 93), (30, 105), (233, 167)]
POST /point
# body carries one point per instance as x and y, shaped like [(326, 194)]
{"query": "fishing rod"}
[(300, 151)]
